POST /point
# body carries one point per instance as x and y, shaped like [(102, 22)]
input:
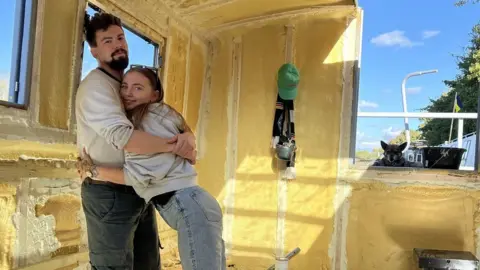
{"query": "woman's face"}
[(136, 90)]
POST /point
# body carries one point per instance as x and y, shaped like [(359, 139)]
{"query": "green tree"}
[(414, 136), (466, 85), (363, 154), (464, 2), (368, 155)]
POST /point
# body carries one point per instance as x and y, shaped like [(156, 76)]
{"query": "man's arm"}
[(101, 109)]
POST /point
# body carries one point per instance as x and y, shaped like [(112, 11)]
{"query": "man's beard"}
[(119, 64)]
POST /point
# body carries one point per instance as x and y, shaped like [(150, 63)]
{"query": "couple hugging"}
[(137, 155)]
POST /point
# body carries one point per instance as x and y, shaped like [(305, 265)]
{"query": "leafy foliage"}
[(369, 155), (466, 85), (414, 136), (464, 2)]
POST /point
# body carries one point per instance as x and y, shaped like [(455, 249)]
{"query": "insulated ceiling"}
[(215, 13)]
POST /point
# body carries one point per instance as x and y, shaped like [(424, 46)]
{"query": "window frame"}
[(21, 64), (353, 131), (352, 118)]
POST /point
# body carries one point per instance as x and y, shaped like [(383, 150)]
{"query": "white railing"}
[(459, 116), (418, 115)]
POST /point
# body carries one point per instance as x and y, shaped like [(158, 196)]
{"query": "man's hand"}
[(185, 146)]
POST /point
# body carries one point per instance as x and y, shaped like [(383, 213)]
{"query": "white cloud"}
[(390, 133), (367, 145), (394, 38), (414, 90), (430, 33), (367, 104), (366, 142)]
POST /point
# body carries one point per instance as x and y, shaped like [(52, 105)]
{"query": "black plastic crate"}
[(431, 259), (442, 157)]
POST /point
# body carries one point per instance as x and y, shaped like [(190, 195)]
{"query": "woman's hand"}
[(86, 168), (84, 165)]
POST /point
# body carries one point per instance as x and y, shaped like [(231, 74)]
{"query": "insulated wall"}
[(237, 161), (391, 212)]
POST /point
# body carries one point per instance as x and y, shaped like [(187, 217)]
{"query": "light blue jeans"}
[(197, 217)]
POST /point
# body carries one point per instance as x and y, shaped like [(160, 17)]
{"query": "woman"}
[(169, 181)]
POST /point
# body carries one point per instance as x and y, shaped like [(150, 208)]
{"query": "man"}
[(122, 231)]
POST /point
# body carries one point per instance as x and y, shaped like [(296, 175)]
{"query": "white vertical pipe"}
[(282, 191), (186, 86), (460, 133), (232, 138)]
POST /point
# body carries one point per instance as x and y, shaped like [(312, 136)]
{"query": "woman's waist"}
[(175, 176), (166, 185), (159, 165)]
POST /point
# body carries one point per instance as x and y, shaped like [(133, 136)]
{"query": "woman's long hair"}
[(137, 114)]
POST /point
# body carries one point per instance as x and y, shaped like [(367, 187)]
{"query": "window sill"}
[(12, 112), (38, 168), (21, 124), (10, 105), (411, 176)]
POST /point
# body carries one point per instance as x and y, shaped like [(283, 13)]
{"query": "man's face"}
[(112, 48)]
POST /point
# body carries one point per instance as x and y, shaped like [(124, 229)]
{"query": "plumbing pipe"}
[(289, 256)]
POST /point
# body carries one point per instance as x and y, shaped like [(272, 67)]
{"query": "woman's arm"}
[(114, 175), (85, 167)]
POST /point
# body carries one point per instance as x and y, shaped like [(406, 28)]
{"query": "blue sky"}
[(400, 37), (6, 29)]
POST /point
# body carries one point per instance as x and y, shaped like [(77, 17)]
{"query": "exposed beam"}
[(129, 19), (59, 262), (180, 20), (41, 168), (179, 3), (207, 6), (356, 86), (280, 15), (166, 10), (351, 58), (76, 72)]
